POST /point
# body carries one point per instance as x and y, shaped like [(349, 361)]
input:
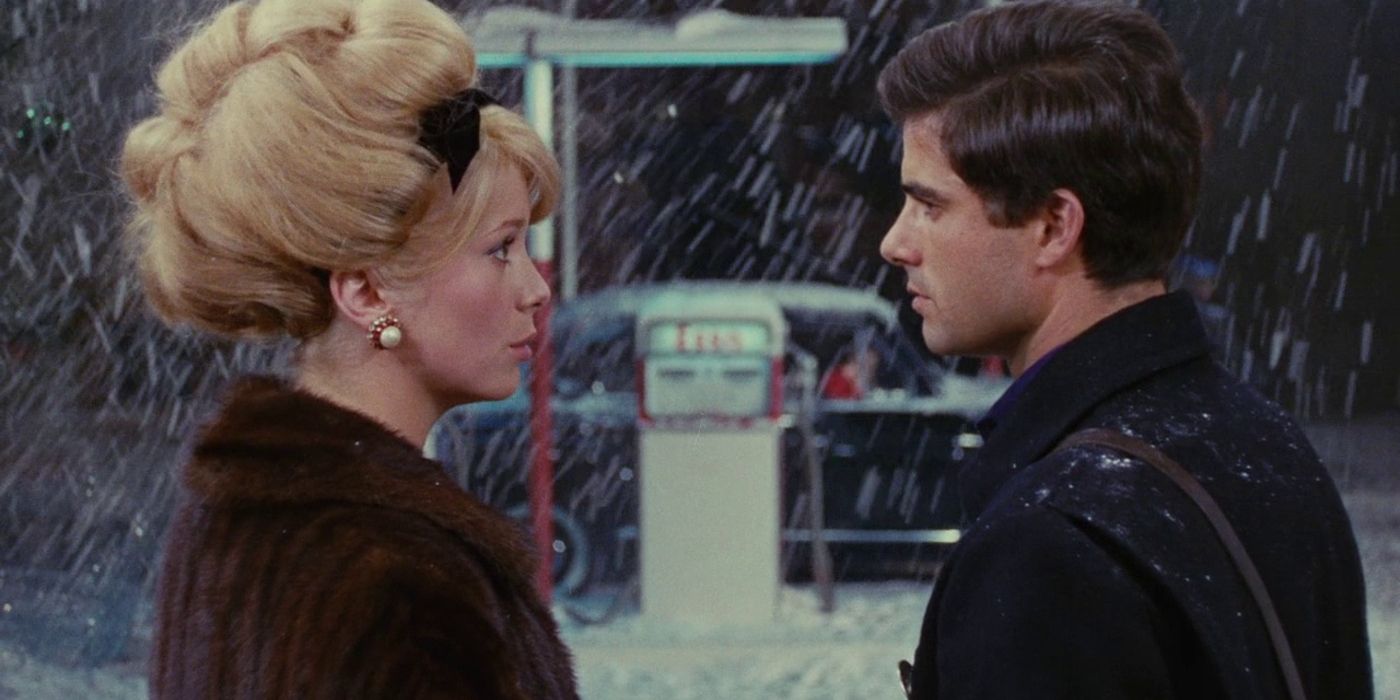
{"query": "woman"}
[(324, 170)]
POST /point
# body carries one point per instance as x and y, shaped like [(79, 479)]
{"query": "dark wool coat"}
[(319, 555), (1088, 574)]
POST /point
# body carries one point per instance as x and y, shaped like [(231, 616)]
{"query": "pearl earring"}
[(385, 332)]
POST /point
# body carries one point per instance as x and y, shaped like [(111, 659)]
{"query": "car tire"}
[(571, 549)]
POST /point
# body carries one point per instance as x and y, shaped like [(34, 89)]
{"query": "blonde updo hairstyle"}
[(286, 146)]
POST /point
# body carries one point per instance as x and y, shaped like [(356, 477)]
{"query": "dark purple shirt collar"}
[(999, 410)]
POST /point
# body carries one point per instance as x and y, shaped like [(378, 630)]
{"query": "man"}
[(1051, 159)]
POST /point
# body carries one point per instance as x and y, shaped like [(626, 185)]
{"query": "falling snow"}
[(779, 174)]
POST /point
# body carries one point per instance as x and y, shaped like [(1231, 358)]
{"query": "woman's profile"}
[(328, 171)]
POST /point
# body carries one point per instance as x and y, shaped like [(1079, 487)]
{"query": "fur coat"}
[(319, 555)]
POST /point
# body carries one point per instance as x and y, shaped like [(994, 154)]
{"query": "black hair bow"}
[(451, 129)]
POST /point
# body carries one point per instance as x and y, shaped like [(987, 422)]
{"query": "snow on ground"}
[(1376, 516), (803, 654), (23, 678)]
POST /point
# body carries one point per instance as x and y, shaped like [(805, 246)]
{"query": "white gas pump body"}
[(710, 400)]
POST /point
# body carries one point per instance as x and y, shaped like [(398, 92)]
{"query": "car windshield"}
[(857, 359)]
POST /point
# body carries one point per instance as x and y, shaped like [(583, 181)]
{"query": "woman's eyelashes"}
[(502, 250)]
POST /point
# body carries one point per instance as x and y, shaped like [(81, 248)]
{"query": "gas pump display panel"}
[(717, 369)]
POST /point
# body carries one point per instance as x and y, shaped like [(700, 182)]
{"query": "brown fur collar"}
[(276, 445)]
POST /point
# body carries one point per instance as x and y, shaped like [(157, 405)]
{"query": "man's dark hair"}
[(1085, 96)]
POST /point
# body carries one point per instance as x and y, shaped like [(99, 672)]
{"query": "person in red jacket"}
[(328, 172), (853, 377)]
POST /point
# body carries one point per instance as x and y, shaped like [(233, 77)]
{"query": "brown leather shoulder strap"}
[(1137, 448)]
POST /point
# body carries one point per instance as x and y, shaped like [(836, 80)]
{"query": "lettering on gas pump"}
[(683, 337)]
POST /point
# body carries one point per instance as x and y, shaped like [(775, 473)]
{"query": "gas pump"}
[(710, 400)]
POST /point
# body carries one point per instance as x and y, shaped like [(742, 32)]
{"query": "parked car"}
[(889, 427)]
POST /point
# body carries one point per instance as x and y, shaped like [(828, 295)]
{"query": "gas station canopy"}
[(512, 36)]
